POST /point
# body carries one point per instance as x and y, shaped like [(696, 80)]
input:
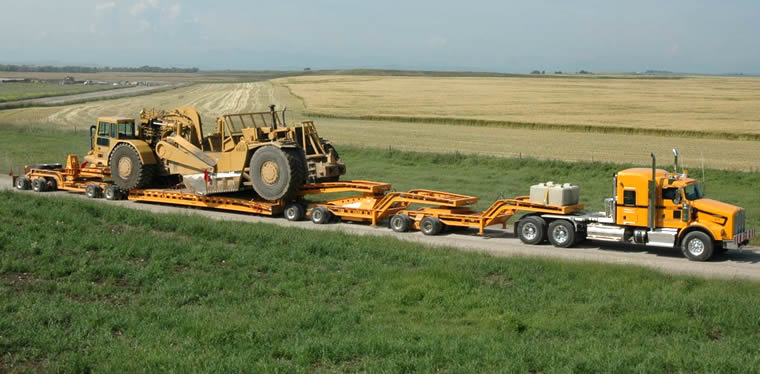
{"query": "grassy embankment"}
[(22, 91), (88, 286), (487, 178)]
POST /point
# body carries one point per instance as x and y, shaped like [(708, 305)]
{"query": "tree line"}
[(90, 69)]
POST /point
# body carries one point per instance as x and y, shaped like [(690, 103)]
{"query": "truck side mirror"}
[(677, 197)]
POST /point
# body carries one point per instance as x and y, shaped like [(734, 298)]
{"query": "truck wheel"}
[(531, 230), (93, 191), (431, 226), (127, 170), (23, 183), (400, 223), (697, 246), (294, 212), (112, 193), (39, 184), (277, 173), (561, 233), (320, 215)]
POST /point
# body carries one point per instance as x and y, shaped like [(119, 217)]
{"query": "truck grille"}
[(739, 222)]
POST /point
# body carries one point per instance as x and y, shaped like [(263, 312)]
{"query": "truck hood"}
[(714, 207)]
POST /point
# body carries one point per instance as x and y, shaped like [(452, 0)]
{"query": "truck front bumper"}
[(740, 240)]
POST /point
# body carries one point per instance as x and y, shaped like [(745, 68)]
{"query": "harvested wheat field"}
[(729, 105)]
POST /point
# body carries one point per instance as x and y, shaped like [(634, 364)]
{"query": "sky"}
[(693, 36)]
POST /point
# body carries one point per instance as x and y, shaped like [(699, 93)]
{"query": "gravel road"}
[(733, 265)]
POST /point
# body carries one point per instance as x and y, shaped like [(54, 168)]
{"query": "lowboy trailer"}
[(649, 206)]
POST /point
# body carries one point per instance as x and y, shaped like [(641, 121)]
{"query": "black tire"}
[(46, 166), (697, 246), (431, 226), (93, 191), (294, 212), (127, 170), (561, 233), (39, 184), (531, 230), (718, 248), (400, 223), (277, 174), (23, 183), (52, 185), (112, 193), (320, 215)]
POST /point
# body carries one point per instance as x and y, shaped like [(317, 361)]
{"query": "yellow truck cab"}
[(657, 208)]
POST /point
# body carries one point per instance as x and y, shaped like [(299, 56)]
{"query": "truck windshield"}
[(693, 192)]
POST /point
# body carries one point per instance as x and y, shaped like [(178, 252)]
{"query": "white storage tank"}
[(550, 193)]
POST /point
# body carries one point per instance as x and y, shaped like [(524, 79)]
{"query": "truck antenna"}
[(704, 184)]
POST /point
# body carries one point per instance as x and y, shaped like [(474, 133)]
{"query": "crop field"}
[(447, 135), (679, 104), (20, 91), (89, 287)]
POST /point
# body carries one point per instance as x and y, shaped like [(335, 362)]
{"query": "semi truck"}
[(649, 206)]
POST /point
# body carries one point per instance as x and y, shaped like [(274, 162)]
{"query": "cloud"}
[(436, 42), (141, 5), (174, 11), (143, 25), (104, 6)]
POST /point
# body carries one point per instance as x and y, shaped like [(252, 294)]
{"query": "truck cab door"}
[(632, 206), (670, 213)]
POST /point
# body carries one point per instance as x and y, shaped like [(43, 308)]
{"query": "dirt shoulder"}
[(733, 265)]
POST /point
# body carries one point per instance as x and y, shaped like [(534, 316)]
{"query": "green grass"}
[(92, 287), (22, 91), (488, 178)]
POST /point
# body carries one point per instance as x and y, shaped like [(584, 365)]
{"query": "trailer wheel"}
[(39, 184), (112, 193), (697, 246), (531, 230), (400, 223), (431, 226), (23, 183), (320, 215), (52, 185), (561, 233), (294, 212), (93, 191)]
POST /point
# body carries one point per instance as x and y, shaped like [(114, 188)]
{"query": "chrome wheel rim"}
[(529, 231), (696, 247), (560, 234)]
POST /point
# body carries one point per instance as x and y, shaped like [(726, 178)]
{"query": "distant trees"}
[(89, 69)]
